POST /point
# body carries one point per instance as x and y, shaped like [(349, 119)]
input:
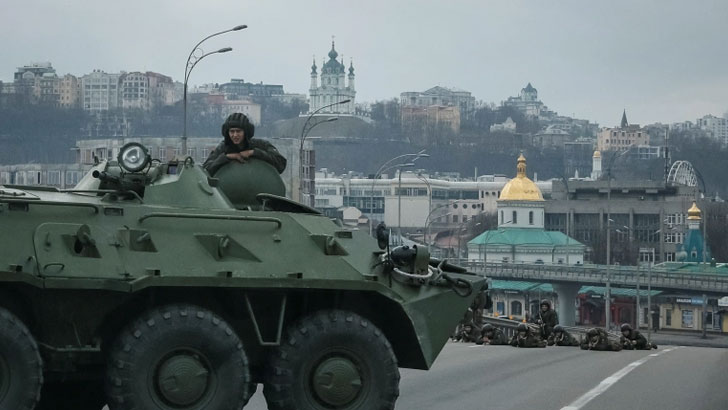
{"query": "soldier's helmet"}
[(558, 329), (488, 328), (592, 332), (522, 327), (546, 302), (626, 327)]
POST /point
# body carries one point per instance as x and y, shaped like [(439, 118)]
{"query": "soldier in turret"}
[(560, 337), (598, 339), (634, 340), (526, 337), (491, 335), (239, 145)]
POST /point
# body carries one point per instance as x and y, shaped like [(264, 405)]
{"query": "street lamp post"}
[(301, 159), (608, 295), (382, 169), (307, 127), (192, 61)]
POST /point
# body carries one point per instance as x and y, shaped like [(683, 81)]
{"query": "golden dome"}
[(694, 213), (597, 154), (520, 188)]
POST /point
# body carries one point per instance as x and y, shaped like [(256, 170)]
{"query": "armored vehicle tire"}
[(179, 357), (333, 359), (72, 396), (21, 368)]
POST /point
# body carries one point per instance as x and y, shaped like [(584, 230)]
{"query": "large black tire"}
[(72, 396), (333, 360), (178, 357), (21, 368)]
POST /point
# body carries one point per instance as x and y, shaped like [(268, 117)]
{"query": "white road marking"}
[(609, 381)]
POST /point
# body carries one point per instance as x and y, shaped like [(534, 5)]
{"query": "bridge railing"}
[(598, 274)]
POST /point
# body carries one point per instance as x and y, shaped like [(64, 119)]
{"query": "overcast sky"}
[(662, 60)]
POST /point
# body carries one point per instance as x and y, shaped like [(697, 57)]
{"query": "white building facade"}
[(333, 87)]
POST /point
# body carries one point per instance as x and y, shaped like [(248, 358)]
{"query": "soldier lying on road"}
[(560, 337), (526, 337), (598, 339), (633, 340), (491, 335)]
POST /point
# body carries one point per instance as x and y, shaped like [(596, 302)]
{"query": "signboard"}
[(689, 301), (723, 301)]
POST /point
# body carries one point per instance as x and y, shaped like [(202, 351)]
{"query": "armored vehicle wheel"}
[(333, 360), (21, 368), (178, 357), (72, 396)]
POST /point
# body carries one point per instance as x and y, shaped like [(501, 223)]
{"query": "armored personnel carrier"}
[(147, 287)]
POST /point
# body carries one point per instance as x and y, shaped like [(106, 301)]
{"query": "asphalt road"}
[(564, 378)]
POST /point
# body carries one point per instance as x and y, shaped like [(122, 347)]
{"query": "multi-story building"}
[(421, 123), (238, 89), (56, 175), (333, 87), (551, 136), (527, 102), (70, 92), (25, 83), (46, 89), (716, 127), (637, 214), (436, 201), (440, 96), (623, 137), (224, 107), (134, 91), (100, 91)]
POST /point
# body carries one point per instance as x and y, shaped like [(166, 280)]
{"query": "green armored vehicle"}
[(146, 287)]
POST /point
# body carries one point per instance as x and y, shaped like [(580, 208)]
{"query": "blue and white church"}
[(333, 86)]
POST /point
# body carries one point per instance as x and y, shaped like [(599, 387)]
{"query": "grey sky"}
[(662, 60)]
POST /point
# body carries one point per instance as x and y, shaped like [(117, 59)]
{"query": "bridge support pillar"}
[(567, 293)]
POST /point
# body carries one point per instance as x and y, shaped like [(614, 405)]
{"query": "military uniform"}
[(546, 320), (525, 337), (634, 340), (598, 339), (560, 337), (493, 336), (262, 150)]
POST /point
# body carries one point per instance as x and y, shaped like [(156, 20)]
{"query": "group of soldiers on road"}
[(546, 331)]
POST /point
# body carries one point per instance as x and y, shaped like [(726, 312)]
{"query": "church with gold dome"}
[(521, 237), (693, 247)]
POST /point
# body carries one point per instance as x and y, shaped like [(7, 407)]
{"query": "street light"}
[(371, 190), (607, 302), (192, 61), (307, 127), (381, 170)]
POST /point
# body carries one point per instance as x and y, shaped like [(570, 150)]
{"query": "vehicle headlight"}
[(133, 157)]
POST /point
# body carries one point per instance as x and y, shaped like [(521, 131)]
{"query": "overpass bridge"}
[(660, 278), (567, 280)]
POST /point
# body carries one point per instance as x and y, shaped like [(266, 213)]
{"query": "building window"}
[(500, 307), (163, 154), (514, 220), (687, 319), (516, 308), (668, 317), (454, 218), (530, 217)]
